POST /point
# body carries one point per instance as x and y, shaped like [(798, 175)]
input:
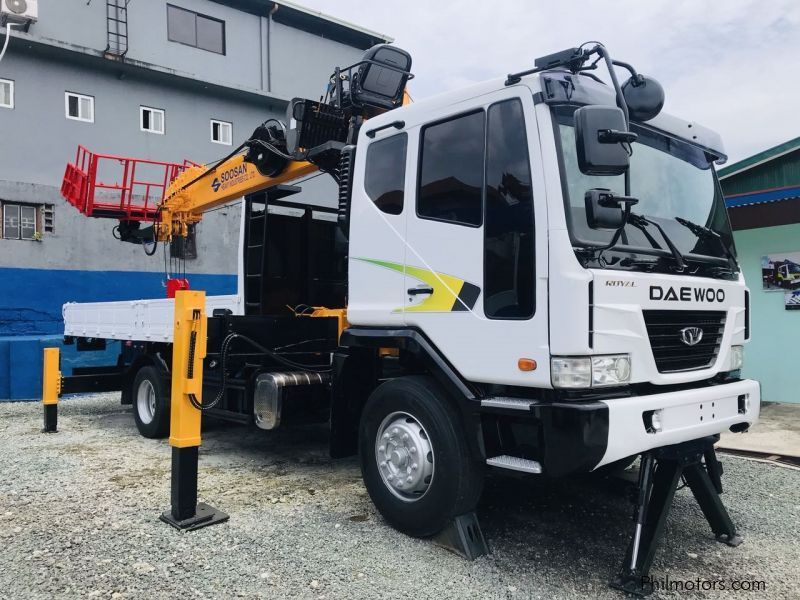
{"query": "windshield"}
[(670, 178)]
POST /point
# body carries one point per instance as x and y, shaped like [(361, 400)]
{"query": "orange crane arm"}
[(199, 189)]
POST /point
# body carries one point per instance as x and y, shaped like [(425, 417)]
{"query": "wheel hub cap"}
[(405, 456), (146, 401)]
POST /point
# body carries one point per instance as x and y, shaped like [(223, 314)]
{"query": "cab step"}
[(507, 403), (515, 463)]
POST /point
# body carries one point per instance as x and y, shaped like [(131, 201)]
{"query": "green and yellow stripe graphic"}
[(450, 294)]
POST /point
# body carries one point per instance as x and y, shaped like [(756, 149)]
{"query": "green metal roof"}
[(760, 158)]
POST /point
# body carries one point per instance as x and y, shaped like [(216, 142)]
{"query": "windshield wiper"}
[(642, 222), (706, 233)]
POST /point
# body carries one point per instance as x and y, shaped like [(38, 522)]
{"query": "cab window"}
[(385, 175), (508, 227), (451, 170)]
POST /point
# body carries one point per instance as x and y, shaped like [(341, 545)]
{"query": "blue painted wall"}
[(31, 299), (30, 316), (771, 355)]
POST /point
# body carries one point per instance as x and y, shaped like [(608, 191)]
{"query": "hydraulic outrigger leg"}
[(660, 473)]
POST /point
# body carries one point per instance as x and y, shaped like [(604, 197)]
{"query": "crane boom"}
[(200, 189)]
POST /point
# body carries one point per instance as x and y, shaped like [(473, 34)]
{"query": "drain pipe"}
[(272, 11)]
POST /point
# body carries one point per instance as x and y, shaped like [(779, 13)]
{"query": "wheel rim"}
[(146, 402), (404, 455)]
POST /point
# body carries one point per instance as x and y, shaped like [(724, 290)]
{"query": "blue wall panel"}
[(31, 299), (30, 317), (771, 356)]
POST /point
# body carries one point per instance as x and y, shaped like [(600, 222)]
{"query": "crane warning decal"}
[(449, 293), (232, 177)]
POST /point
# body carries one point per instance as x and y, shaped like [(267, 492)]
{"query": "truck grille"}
[(670, 352)]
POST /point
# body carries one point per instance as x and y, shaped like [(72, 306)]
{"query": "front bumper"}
[(574, 437), (686, 415)]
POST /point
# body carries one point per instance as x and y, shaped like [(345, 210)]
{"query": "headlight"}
[(737, 358), (611, 370), (595, 371)]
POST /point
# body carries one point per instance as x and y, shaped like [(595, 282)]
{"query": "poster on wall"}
[(792, 300), (781, 271)]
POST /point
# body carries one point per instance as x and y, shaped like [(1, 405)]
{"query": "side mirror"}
[(606, 211), (644, 97), (599, 134)]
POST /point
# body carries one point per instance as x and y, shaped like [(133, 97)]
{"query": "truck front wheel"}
[(151, 403), (414, 457)]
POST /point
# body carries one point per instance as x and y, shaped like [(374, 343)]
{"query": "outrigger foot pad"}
[(660, 473), (204, 516), (464, 537), (730, 540)]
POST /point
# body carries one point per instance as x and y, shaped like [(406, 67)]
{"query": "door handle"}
[(419, 290)]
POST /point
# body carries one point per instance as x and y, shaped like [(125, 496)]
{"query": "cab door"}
[(475, 263), (377, 231)]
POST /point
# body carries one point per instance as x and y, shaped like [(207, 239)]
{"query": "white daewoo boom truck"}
[(534, 274)]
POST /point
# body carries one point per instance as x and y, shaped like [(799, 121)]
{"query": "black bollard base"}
[(50, 418), (186, 514)]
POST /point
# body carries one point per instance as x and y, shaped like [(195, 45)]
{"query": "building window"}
[(6, 93), (151, 119), (385, 175), (451, 170), (79, 107), (196, 30), (221, 132), (25, 221), (48, 218)]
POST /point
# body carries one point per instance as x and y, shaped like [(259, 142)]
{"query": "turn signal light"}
[(526, 364)]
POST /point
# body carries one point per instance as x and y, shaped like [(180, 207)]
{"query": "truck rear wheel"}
[(414, 456), (151, 403)]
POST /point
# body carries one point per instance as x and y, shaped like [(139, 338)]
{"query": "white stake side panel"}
[(137, 320)]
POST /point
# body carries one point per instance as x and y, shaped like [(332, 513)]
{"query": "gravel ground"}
[(79, 518)]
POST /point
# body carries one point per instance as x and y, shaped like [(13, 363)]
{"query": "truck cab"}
[(469, 230)]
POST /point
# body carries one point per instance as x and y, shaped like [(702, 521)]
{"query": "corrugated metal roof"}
[(760, 158), (763, 196)]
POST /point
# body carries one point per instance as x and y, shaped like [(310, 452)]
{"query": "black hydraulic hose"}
[(155, 247), (224, 351), (213, 167)]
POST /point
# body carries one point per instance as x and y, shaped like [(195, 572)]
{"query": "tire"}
[(450, 480), (151, 403)]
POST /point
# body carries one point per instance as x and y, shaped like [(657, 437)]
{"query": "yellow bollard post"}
[(51, 389), (188, 352)]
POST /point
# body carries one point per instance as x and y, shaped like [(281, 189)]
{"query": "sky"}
[(733, 66)]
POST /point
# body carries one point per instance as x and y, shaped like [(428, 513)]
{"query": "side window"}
[(79, 107), (509, 238), (6, 93), (386, 172), (151, 120), (451, 170)]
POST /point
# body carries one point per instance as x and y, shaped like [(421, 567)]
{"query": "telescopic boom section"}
[(200, 189)]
